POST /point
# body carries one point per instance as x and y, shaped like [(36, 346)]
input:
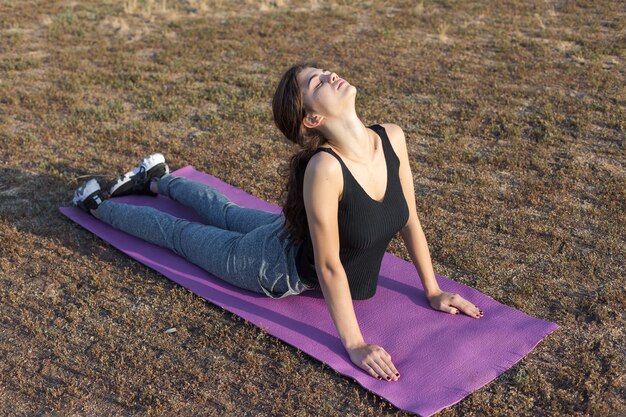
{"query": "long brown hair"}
[(289, 111)]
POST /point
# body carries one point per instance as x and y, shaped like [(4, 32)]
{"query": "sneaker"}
[(138, 180), (88, 196)]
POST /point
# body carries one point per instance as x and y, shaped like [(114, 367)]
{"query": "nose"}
[(333, 77)]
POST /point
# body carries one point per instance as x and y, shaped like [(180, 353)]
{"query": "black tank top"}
[(366, 227)]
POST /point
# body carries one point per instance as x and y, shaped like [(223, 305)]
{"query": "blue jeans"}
[(237, 244)]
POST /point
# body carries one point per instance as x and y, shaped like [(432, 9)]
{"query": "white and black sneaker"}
[(138, 180), (88, 196)]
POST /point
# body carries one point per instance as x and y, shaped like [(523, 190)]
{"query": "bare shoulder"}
[(323, 173), (322, 164), (397, 139)]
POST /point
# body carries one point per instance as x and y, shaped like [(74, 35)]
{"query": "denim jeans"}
[(237, 244)]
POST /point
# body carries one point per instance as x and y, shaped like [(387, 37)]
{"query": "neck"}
[(349, 136)]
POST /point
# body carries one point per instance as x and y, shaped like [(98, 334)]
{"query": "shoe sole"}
[(126, 184)]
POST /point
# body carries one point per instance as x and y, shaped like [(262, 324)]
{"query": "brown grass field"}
[(514, 114)]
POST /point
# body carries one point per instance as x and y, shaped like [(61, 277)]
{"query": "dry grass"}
[(514, 114)]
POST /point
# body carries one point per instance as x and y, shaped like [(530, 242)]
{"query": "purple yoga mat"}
[(441, 357)]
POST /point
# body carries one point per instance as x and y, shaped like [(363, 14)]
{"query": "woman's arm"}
[(416, 245), (322, 187), (415, 240)]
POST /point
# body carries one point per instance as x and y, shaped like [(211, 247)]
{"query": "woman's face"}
[(325, 93)]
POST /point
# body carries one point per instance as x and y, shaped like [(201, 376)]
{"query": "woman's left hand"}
[(453, 303)]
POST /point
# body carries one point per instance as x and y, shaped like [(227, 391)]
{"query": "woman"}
[(349, 191)]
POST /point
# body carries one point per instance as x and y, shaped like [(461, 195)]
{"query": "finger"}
[(449, 309), (389, 374), (387, 358), (386, 355), (379, 371), (477, 312), (391, 365), (480, 312), (466, 307), (371, 371), (394, 372), (469, 309), (393, 369), (474, 311)]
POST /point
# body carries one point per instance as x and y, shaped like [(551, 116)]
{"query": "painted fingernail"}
[(388, 378), (397, 374), (379, 378)]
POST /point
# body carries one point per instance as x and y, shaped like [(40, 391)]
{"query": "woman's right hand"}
[(374, 360)]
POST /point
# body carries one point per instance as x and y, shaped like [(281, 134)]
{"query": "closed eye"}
[(318, 77)]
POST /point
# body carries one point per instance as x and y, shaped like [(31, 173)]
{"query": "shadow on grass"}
[(30, 202)]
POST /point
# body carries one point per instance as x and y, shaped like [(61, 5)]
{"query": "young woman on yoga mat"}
[(349, 191)]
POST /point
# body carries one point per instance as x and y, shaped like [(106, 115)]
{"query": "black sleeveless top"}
[(366, 227)]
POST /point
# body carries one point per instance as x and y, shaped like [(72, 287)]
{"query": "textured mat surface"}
[(441, 357)]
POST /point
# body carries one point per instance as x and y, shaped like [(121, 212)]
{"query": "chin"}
[(352, 92)]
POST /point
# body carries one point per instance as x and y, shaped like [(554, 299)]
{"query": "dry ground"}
[(514, 115)]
